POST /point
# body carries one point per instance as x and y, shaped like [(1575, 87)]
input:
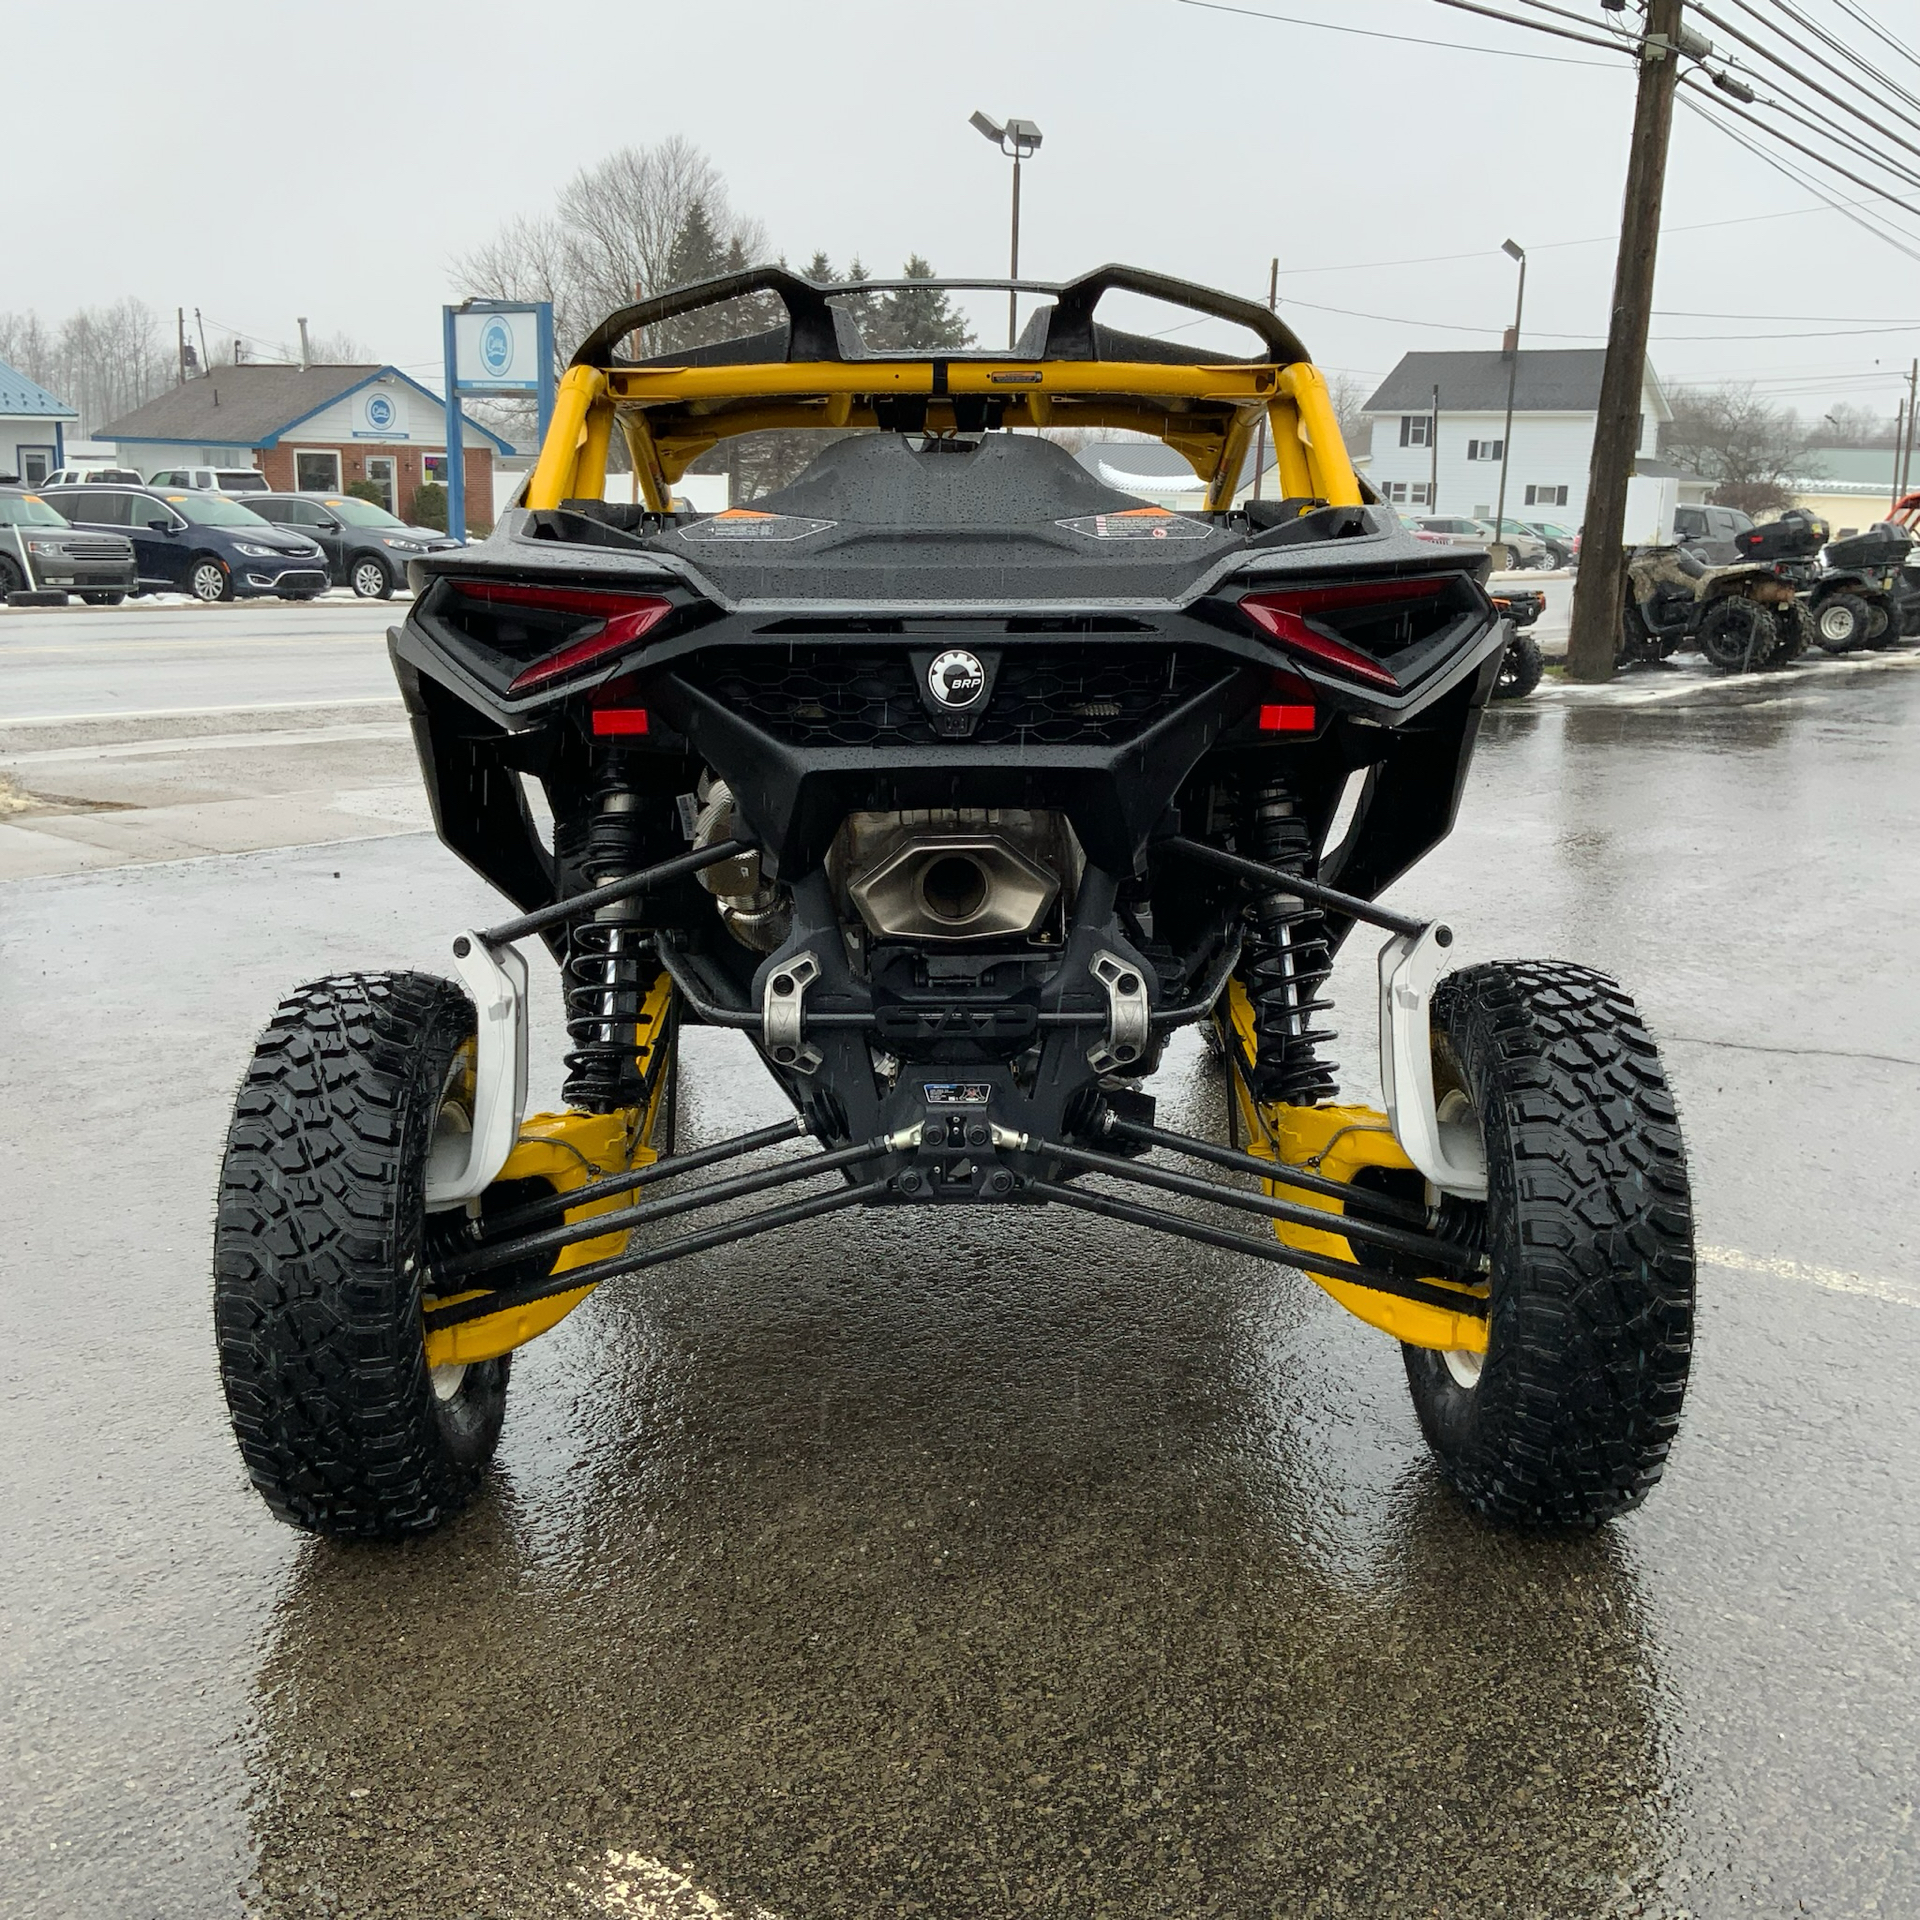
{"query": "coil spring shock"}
[(609, 961), (1290, 959)]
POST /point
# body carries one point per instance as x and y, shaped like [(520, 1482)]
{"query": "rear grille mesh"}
[(1045, 696)]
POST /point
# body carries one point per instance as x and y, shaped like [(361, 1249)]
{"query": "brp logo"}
[(381, 412), (956, 678), (496, 347)]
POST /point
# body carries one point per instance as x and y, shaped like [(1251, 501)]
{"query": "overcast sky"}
[(262, 160)]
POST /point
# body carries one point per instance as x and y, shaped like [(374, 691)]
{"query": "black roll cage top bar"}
[(818, 330)]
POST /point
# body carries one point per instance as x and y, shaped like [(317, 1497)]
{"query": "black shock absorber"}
[(609, 964), (1290, 957)]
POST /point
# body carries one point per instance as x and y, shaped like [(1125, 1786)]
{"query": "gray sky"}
[(260, 160)]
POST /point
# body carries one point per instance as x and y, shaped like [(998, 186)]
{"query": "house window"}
[(317, 472), (1417, 496), (1396, 492), (1546, 496), (1485, 449), (35, 464), (1416, 429), (433, 468)]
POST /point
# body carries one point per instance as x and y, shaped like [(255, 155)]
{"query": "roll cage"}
[(815, 371)]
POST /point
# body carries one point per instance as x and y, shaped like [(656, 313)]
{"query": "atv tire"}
[(1794, 625), (1883, 627), (1738, 635), (319, 1244), (1521, 667), (1841, 622), (1568, 1418)]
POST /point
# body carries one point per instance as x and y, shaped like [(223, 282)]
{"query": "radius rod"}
[(501, 1253), (1449, 1258), (1257, 1247), (1358, 1200)]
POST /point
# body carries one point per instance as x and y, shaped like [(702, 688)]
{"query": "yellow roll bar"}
[(669, 416)]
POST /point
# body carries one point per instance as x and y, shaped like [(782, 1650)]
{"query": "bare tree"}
[(1849, 425), (1746, 447), (103, 361)]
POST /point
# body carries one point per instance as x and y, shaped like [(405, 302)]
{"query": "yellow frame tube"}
[(1296, 478), (671, 415), (1333, 476), (553, 473), (1339, 1142), (567, 1150)]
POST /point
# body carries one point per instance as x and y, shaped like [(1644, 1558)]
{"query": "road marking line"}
[(347, 730), (1831, 1279), (635, 1885), (103, 715), (127, 655)]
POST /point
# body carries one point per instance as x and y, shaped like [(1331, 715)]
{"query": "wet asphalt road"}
[(957, 1566)]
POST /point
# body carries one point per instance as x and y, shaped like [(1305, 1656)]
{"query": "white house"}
[(1447, 411), (32, 428)]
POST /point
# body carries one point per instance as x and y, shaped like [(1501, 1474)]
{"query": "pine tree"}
[(913, 321)]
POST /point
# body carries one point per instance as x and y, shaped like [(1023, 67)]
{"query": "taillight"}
[(1288, 707), (574, 626), (1290, 618)]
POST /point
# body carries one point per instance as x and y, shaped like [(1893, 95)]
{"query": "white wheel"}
[(371, 580), (210, 581)]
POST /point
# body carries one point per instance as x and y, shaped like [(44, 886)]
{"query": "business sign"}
[(497, 352), (381, 415)]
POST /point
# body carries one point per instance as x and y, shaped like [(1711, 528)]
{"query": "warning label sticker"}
[(741, 523), (1138, 523)]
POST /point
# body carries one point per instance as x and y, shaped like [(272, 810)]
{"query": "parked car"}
[(40, 549), (185, 541), (1712, 532), (1562, 543), (1509, 551), (211, 479), (367, 548), (89, 476)]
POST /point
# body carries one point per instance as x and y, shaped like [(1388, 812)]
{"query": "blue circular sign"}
[(496, 347), (381, 412)]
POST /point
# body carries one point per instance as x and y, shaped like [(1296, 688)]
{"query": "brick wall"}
[(277, 464)]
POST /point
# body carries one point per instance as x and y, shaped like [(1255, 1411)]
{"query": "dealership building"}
[(308, 430)]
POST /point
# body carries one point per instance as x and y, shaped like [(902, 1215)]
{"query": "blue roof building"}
[(33, 425)]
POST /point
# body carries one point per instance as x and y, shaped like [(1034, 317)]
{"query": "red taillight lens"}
[(1284, 617), (620, 619), (1286, 717), (617, 720)]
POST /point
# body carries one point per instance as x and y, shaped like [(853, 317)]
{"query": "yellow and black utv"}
[(957, 782)]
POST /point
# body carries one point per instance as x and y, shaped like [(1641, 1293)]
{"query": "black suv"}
[(367, 549), (1712, 532), (198, 543)]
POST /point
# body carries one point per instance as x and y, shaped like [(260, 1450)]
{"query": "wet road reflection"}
[(959, 1575), (953, 1565)]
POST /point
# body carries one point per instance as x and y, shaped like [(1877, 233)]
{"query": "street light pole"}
[(1513, 376), (1019, 140)]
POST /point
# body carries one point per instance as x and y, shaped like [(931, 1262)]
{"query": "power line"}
[(1797, 176), (1374, 33), (1879, 32), (1873, 73), (1792, 72), (1538, 26)]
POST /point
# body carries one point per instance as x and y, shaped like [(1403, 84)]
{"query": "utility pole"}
[(1260, 437), (1433, 453), (1913, 399), (1519, 254), (1594, 640), (1899, 452), (206, 359), (180, 327)]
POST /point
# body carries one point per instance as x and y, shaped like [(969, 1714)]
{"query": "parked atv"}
[(957, 783), (1523, 664), (1859, 590), (1743, 618)]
